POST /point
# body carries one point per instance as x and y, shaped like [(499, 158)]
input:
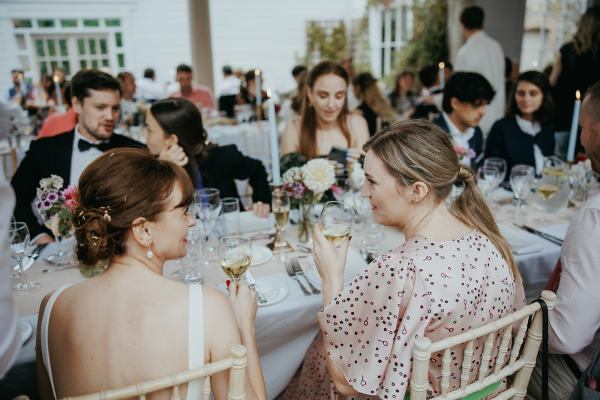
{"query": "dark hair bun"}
[(92, 231)]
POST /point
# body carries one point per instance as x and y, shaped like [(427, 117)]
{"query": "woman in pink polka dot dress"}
[(455, 272)]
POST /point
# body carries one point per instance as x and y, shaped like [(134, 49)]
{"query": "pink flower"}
[(70, 192), (335, 189)]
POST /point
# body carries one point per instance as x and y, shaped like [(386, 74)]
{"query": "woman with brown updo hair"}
[(131, 324), (453, 273), (324, 121)]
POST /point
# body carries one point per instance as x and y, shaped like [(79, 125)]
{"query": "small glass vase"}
[(305, 223)]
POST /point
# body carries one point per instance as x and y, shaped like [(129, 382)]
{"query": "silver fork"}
[(299, 272), (290, 271)]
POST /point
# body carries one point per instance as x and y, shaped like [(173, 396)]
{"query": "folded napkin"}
[(249, 222), (559, 231), (521, 242), (354, 264)]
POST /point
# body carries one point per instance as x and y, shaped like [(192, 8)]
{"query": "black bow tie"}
[(85, 145)]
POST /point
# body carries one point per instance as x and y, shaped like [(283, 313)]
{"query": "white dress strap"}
[(195, 338), (44, 335)]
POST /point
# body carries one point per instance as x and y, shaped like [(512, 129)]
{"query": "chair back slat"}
[(236, 363), (466, 364), (487, 355), (519, 365), (516, 349), (446, 371), (503, 350)]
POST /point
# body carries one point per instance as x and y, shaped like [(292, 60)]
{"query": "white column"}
[(201, 42)]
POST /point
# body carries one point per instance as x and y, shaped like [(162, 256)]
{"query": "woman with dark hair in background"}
[(526, 134), (402, 98), (374, 106), (178, 121), (324, 121)]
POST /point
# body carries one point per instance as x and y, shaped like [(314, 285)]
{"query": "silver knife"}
[(543, 235), (252, 284)]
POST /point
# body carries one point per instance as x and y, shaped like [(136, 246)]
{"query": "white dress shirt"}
[(230, 86), (81, 159), (147, 89), (533, 128), (574, 323), (460, 138), (484, 55), (10, 337)]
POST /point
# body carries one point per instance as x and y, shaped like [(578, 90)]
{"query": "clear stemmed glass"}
[(207, 207), (521, 180), (19, 244), (487, 178), (336, 222), (499, 163), (280, 206), (235, 255)]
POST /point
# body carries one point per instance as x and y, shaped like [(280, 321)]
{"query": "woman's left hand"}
[(261, 209), (330, 260)]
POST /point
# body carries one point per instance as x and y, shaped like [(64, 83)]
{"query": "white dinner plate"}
[(26, 331), (260, 255), (273, 294)]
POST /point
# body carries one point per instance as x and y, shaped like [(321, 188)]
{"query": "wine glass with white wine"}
[(336, 222), (235, 254), (280, 206)]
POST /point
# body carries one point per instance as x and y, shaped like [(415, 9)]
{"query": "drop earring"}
[(150, 253)]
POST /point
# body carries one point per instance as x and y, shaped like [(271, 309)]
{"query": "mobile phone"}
[(338, 155)]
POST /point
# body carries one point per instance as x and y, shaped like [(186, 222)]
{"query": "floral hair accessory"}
[(106, 215)]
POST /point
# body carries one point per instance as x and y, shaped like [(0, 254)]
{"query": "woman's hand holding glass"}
[(243, 302)]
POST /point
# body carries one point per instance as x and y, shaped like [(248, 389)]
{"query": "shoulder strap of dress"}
[(195, 337), (44, 334)]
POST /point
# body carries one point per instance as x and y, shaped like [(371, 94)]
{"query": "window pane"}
[(43, 69), (51, 47), (39, 45), (103, 47), (83, 64), (91, 23), (92, 44), (94, 63), (81, 46), (22, 23), (62, 43), (54, 65), (21, 42), (68, 23), (121, 60), (119, 39), (45, 23), (67, 67), (112, 22), (105, 62)]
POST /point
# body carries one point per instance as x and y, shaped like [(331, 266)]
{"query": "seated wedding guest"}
[(133, 210), (374, 106), (178, 122), (526, 134), (324, 121), (228, 91), (129, 108), (466, 96), (425, 104), (247, 93), (147, 88), (10, 334), (58, 122), (200, 95), (402, 98), (574, 323), (95, 96), (19, 92), (455, 272)]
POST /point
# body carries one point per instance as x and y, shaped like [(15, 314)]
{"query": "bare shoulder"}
[(358, 129), (292, 126)]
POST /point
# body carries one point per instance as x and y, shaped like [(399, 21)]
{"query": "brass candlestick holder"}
[(280, 206)]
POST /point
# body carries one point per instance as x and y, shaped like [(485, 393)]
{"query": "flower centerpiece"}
[(306, 185), (54, 205)]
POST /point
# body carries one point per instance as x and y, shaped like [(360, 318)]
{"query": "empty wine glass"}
[(487, 178), (207, 207), (235, 255), (336, 222), (521, 179), (19, 243)]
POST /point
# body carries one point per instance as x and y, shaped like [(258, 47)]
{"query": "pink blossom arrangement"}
[(465, 154), (306, 184), (54, 205)]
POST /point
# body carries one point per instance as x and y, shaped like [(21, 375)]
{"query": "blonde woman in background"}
[(324, 121), (453, 273), (374, 106)]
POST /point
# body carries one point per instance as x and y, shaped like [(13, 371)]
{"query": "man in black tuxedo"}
[(466, 97), (96, 99)]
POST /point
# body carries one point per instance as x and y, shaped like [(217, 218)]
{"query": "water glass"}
[(336, 222), (231, 215), (487, 179), (18, 234), (207, 207), (499, 163)]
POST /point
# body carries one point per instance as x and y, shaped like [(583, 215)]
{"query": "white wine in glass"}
[(280, 206), (336, 222), (281, 215), (235, 253), (336, 234), (547, 191)]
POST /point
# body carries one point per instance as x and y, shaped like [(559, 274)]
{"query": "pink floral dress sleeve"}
[(370, 328)]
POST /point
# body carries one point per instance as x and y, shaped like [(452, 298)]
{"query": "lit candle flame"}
[(442, 65), (257, 72), (55, 79), (20, 76), (578, 95)]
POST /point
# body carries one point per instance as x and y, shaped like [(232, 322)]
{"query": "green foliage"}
[(330, 47), (429, 42)]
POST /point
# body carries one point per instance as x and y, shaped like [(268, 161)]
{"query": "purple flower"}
[(52, 197), (46, 204)]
